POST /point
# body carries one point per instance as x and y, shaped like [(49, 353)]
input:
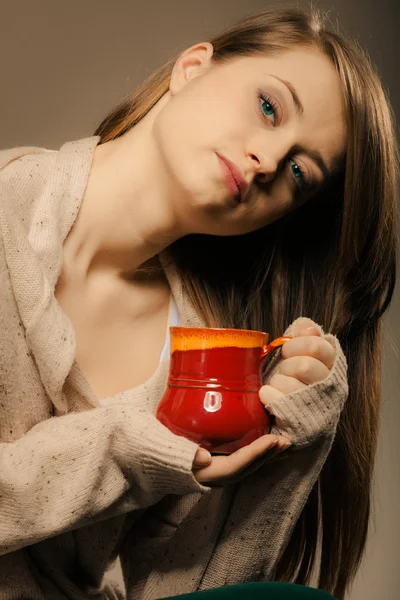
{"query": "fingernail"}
[(203, 456), (311, 330), (285, 445)]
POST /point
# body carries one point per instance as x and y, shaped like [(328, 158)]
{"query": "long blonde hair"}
[(331, 260)]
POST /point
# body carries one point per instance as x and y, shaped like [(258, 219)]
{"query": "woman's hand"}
[(221, 470), (306, 359)]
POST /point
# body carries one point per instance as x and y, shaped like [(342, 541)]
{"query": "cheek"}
[(179, 131), (172, 139), (274, 200), (267, 207)]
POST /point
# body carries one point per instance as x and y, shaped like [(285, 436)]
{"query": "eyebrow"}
[(314, 154), (295, 97)]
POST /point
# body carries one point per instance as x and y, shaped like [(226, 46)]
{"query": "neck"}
[(126, 218)]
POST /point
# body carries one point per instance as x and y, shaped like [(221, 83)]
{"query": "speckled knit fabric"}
[(83, 480)]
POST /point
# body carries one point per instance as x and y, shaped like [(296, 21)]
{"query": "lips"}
[(235, 179)]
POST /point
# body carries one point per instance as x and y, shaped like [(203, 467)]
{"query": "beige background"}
[(65, 64)]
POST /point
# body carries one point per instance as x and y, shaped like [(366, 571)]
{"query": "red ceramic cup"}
[(213, 384)]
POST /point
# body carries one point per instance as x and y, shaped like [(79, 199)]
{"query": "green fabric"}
[(258, 591)]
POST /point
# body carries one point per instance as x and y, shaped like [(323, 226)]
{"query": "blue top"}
[(174, 320)]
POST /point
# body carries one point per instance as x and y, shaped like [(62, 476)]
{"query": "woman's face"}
[(278, 119)]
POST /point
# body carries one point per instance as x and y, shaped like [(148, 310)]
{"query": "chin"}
[(221, 228)]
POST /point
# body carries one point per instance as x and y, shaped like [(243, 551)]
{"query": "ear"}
[(191, 63)]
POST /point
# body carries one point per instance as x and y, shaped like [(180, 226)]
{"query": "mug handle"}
[(277, 343)]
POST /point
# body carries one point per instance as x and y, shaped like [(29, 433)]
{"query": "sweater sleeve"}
[(64, 472), (304, 416), (70, 471)]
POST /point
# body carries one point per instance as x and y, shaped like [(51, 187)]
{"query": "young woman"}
[(247, 183)]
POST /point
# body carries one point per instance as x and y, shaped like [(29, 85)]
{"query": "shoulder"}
[(26, 161), (23, 173), (20, 162), (26, 172)]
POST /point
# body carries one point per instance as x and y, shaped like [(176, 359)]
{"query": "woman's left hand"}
[(306, 359)]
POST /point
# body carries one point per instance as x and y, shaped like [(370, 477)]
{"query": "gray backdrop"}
[(64, 65)]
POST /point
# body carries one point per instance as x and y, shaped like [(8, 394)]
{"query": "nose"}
[(265, 160), (264, 168)]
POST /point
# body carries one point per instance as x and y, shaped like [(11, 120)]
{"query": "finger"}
[(223, 467), (282, 443), (306, 369), (267, 394), (305, 326), (262, 461), (313, 346), (286, 384)]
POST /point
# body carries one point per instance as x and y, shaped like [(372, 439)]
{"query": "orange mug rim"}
[(228, 329)]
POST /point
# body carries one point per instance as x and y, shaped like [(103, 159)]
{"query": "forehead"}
[(314, 77), (299, 61)]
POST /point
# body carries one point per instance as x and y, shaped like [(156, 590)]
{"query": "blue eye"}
[(296, 170), (270, 109)]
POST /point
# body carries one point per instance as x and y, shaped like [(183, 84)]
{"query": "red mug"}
[(212, 390)]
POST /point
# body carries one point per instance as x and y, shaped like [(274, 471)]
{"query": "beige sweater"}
[(82, 481)]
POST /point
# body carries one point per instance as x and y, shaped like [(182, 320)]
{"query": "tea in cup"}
[(212, 390)]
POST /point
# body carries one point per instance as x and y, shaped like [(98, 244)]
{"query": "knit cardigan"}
[(83, 481)]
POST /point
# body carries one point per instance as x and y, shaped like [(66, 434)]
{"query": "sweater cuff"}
[(161, 462), (307, 414)]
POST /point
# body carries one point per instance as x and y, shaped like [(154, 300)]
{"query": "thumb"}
[(305, 326), (202, 458)]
